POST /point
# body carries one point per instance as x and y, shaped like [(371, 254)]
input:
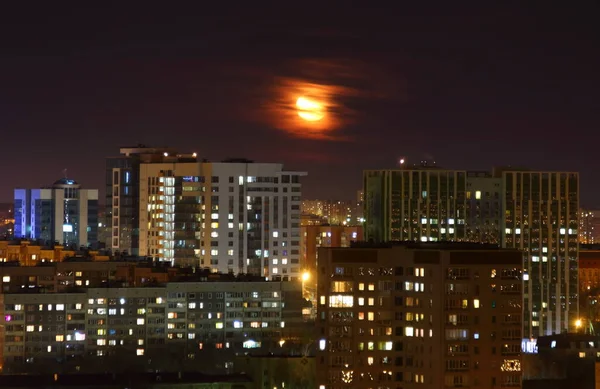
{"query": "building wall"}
[(168, 328), (419, 317), (415, 205), (541, 219), (279, 371), (31, 255), (41, 215), (589, 226), (533, 211), (248, 220)]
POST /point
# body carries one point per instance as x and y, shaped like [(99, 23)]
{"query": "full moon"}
[(309, 110)]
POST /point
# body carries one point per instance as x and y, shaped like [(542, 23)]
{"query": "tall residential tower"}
[(534, 211), (233, 216)]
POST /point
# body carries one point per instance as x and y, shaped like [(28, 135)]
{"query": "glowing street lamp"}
[(305, 276)]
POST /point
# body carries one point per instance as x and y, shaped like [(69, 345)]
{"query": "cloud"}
[(335, 85)]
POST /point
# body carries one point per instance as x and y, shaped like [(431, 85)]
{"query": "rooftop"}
[(428, 245), (111, 380)]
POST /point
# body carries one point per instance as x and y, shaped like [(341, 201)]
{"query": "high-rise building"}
[(63, 213), (334, 212), (426, 204), (534, 211), (589, 226), (123, 192), (232, 216), (432, 315)]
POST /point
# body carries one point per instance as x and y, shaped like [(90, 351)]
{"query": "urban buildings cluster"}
[(430, 278)]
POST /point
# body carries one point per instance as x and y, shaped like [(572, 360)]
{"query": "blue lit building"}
[(62, 213)]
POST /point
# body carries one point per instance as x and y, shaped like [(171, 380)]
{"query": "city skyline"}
[(397, 82)]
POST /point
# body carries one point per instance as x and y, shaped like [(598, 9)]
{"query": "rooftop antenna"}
[(65, 172)]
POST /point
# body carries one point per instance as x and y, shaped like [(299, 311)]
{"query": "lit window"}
[(60, 307), (214, 225), (361, 301), (214, 234), (219, 325), (214, 252), (371, 316), (140, 322), (139, 352), (371, 287), (476, 303), (478, 195), (409, 331), (361, 286), (6, 279)]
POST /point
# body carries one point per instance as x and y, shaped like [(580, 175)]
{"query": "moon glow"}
[(309, 110)]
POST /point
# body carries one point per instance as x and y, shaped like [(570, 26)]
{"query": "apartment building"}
[(422, 315), (233, 216), (589, 226), (533, 211), (589, 269), (27, 254), (180, 326), (63, 213)]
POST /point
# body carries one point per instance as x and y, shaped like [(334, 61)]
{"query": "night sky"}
[(472, 87)]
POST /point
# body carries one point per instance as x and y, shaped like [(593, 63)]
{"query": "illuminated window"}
[(219, 325), (140, 322), (371, 316), (476, 303), (361, 301), (139, 352), (371, 287), (361, 286), (409, 331), (341, 301), (478, 195), (60, 338), (5, 278)]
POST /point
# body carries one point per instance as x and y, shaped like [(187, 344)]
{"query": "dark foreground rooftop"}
[(427, 245), (112, 380)]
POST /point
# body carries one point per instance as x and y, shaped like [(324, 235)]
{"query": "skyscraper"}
[(62, 213), (533, 211), (232, 216), (425, 204)]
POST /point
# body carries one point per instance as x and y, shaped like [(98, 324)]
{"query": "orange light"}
[(309, 110)]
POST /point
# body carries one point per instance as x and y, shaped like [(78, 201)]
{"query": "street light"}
[(578, 324), (305, 276)]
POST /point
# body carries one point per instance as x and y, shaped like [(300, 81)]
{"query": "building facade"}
[(64, 213), (234, 216), (533, 211), (589, 226), (419, 315), (177, 327)]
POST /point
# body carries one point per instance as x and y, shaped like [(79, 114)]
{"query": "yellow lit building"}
[(419, 315), (30, 255)]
